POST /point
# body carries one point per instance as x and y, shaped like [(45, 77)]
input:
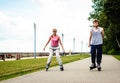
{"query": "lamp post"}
[(73, 44), (62, 37), (34, 41), (62, 42), (81, 46), (86, 46)]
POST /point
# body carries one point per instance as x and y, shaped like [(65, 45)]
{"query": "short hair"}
[(95, 21)]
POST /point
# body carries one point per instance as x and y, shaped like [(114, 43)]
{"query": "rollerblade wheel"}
[(46, 69), (92, 67), (99, 69), (61, 69)]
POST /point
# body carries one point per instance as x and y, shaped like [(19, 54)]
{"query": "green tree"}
[(112, 11), (108, 14)]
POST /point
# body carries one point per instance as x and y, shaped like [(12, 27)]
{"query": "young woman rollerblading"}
[(55, 41)]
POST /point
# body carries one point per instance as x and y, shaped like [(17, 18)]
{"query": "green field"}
[(10, 69), (117, 57)]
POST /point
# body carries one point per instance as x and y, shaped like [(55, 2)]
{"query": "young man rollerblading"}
[(95, 42)]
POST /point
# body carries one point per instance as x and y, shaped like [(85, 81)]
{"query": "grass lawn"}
[(117, 57), (10, 69)]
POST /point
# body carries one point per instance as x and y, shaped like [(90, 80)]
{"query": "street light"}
[(86, 46), (62, 37), (34, 41), (73, 44), (62, 42), (81, 46)]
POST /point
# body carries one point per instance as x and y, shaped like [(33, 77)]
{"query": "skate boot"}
[(99, 67), (61, 68), (93, 66), (47, 67)]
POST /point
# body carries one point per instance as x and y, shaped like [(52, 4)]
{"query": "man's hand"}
[(88, 45)]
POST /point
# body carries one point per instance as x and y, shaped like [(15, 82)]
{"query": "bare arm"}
[(102, 32), (90, 39), (47, 43), (61, 44)]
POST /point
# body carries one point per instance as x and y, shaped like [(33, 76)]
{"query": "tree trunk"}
[(118, 42)]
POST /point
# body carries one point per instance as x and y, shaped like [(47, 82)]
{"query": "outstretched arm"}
[(46, 43)]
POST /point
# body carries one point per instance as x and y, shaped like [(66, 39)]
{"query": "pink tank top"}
[(54, 41)]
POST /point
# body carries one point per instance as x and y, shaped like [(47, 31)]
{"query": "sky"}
[(69, 17)]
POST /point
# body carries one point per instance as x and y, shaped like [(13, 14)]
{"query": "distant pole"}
[(86, 47), (73, 44), (34, 41), (81, 46), (62, 43), (62, 37)]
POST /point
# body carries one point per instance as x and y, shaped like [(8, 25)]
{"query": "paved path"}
[(75, 72)]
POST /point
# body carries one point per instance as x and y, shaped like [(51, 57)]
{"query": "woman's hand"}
[(43, 49)]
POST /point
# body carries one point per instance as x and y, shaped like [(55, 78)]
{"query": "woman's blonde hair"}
[(54, 29)]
